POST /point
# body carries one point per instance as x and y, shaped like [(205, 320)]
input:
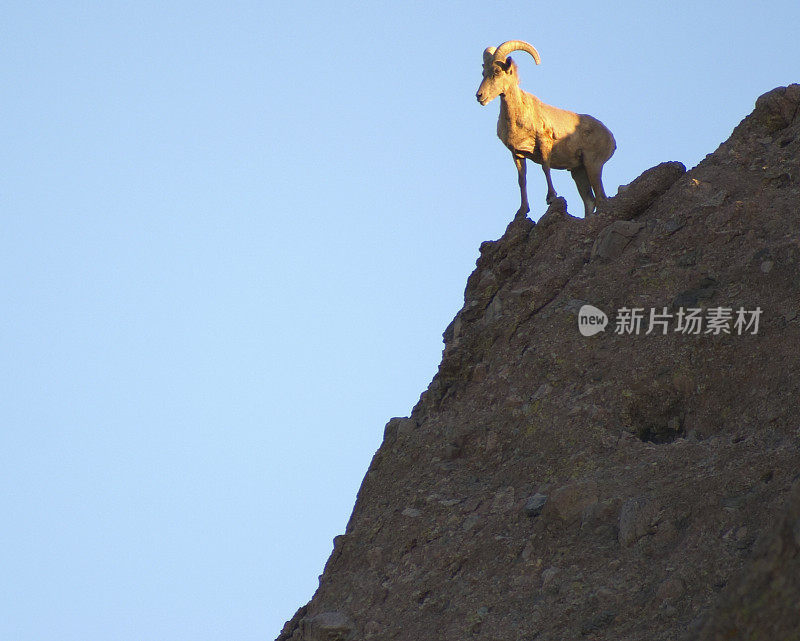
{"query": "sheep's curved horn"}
[(516, 45)]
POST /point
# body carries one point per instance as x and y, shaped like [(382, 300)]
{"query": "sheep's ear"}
[(505, 65)]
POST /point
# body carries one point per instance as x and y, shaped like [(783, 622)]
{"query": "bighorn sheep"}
[(552, 137)]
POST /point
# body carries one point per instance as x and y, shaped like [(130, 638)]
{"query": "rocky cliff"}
[(642, 483)]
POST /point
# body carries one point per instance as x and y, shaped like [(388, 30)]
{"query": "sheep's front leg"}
[(523, 187), (551, 191)]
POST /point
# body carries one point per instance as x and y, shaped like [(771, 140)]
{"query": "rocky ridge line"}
[(619, 487)]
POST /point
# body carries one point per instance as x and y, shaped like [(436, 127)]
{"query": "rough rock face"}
[(620, 486)]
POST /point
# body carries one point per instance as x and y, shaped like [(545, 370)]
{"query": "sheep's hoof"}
[(550, 198), (522, 212)]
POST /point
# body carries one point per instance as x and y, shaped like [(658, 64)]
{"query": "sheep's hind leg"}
[(581, 179), (523, 187), (595, 173)]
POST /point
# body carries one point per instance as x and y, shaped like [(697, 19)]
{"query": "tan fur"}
[(551, 137)]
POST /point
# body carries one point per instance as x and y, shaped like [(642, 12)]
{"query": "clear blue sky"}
[(232, 234)]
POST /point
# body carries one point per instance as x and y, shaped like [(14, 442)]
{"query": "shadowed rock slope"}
[(615, 487)]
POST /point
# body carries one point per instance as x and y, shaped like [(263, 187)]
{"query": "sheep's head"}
[(500, 71), (498, 75)]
